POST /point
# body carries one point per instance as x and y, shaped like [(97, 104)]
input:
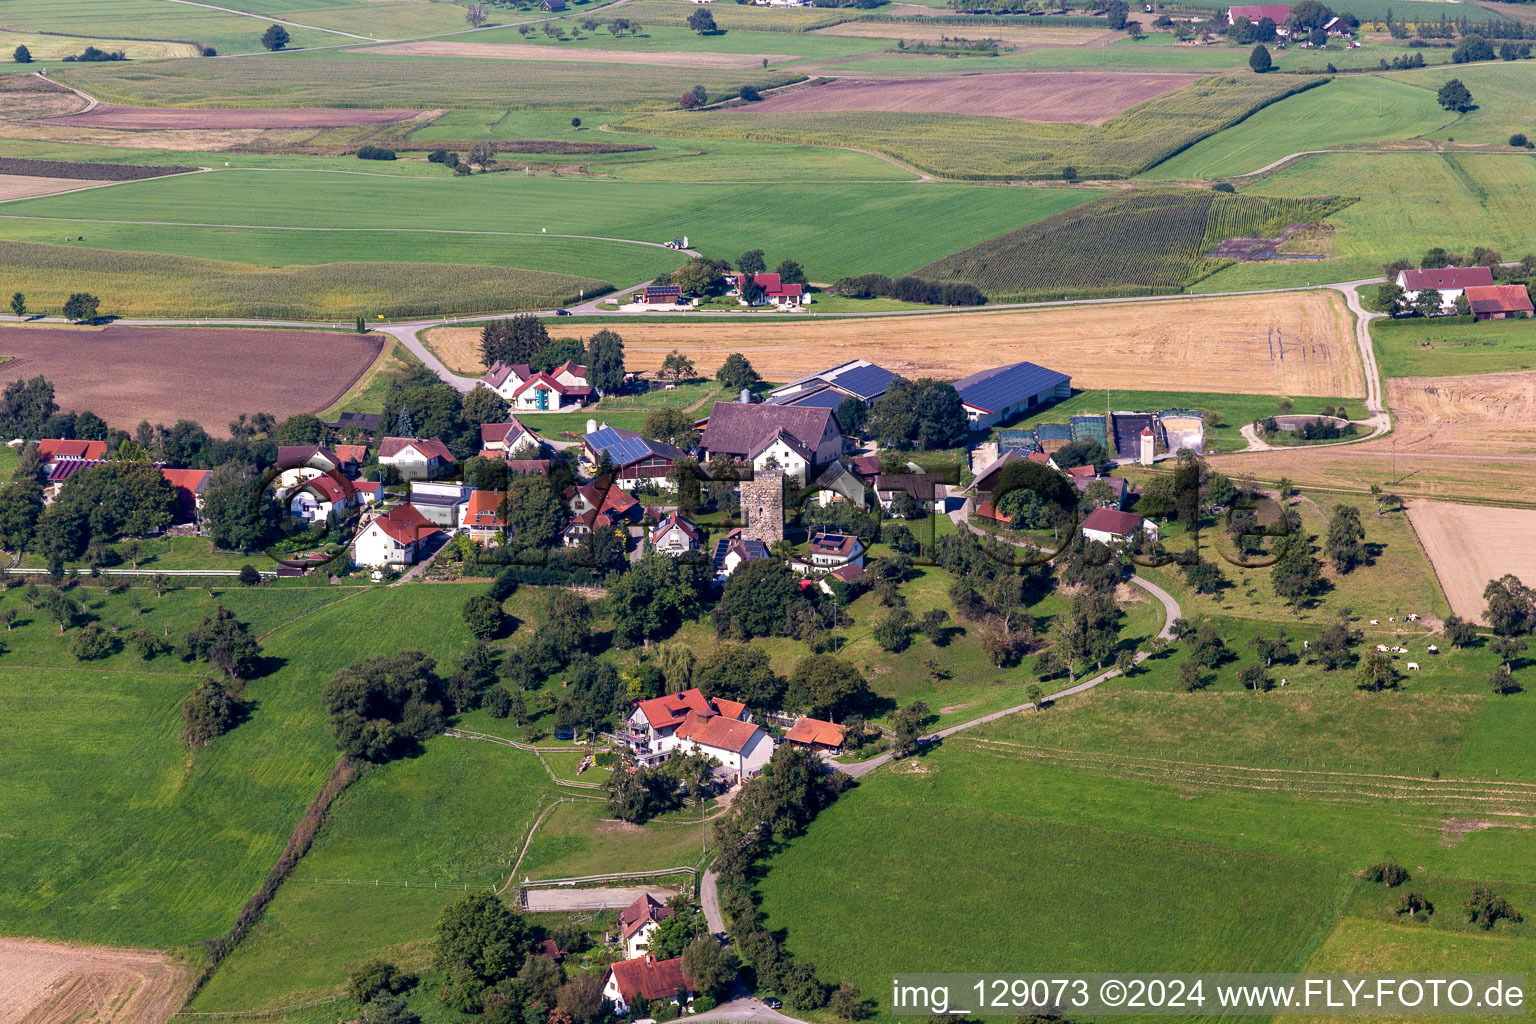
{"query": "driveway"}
[(559, 898)]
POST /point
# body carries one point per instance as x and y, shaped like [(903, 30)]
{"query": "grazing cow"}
[(1433, 649), (1413, 666), (1413, 618), (1306, 644), (1375, 622), (1382, 648), (1391, 618), (1283, 681)]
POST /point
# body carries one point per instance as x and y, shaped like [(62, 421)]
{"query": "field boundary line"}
[(280, 21), (330, 604)]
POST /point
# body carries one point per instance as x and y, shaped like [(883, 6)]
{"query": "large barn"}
[(1003, 392)]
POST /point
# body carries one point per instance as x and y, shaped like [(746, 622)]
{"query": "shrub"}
[(207, 51), (1388, 871), (22, 55), (275, 37), (750, 94), (1223, 186), (92, 642), (249, 576), (1518, 140), (375, 153), (209, 711), (376, 978)]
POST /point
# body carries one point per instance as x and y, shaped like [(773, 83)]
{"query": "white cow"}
[(1375, 622), (1283, 681), (1413, 618), (1433, 649), (1306, 644), (1413, 666), (1381, 648)]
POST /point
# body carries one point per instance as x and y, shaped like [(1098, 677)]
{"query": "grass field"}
[(832, 229), (139, 284), (150, 20), (1128, 243), (1454, 200), (1502, 93), (53, 47), (1303, 122), (660, 36), (1432, 348), (332, 78), (1003, 148)]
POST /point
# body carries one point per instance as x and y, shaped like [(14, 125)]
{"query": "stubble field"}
[(126, 374), (1472, 544), (1219, 345), (153, 119), (531, 51), (1490, 414), (25, 186), (48, 983)]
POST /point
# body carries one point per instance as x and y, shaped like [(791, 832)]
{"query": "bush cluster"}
[(910, 289)]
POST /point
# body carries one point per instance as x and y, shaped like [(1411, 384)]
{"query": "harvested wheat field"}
[(28, 96), (21, 186), (161, 118), (1472, 544), (1491, 413), (162, 374), (1205, 344), (48, 983), (533, 51), (1080, 98)]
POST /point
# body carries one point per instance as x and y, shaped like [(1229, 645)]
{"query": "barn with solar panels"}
[(636, 460), (1003, 392), (858, 378)]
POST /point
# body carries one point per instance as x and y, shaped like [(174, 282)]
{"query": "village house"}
[(416, 458), (1499, 301), (843, 574), (508, 440), (598, 505), (314, 498), (814, 734), (1255, 13), (1003, 392), (645, 977), (543, 392), (1113, 527), (310, 456), (638, 921), (923, 487), (651, 729), (857, 378), (352, 456), (442, 501), (839, 483), (395, 538), (674, 535), (1450, 282), (52, 449), (1118, 491), (357, 424), (758, 433), (830, 550), (505, 378), (637, 461), (742, 748), (191, 485), (774, 292), (482, 517), (369, 492), (733, 551)]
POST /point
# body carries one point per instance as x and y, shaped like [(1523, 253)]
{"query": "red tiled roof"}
[(639, 913), (356, 454), (405, 524), (428, 447), (290, 455), (1088, 471), (717, 731), (497, 375), (49, 449), (672, 708), (484, 509), (545, 380), (814, 730), (648, 977), (849, 573), (841, 544), (1109, 520), (987, 510), (1499, 298), (527, 466), (325, 486), (1446, 278), (674, 519), (508, 433), (865, 465)]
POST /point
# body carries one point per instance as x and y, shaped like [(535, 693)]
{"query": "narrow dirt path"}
[(279, 21)]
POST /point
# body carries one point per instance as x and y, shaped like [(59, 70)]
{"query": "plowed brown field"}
[(1214, 344), (1081, 98), (127, 374), (48, 983)]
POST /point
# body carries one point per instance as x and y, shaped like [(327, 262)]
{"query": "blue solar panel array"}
[(826, 398), (865, 381), (622, 450), (1010, 386)]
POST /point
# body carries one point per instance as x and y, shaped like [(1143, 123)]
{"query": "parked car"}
[(562, 312), (772, 1003)]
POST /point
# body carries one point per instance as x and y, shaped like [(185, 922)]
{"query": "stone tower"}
[(762, 506)]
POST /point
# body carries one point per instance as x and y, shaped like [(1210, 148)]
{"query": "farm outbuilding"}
[(1499, 301), (1003, 392)]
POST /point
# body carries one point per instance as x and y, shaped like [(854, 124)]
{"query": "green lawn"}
[(1433, 348), (1501, 91), (1307, 121), (832, 229), (149, 19), (1454, 200)]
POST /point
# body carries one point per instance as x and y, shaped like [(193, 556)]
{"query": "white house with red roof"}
[(1113, 527), (1450, 282), (315, 498), (544, 392), (775, 291), (638, 921), (742, 748), (599, 505), (719, 728), (415, 458), (645, 978), (509, 440), (674, 535), (395, 538), (482, 517), (506, 378), (190, 486), (52, 449)]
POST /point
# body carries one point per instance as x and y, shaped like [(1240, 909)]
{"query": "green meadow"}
[(1455, 200), (151, 19), (1434, 348), (1307, 121), (832, 229)]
